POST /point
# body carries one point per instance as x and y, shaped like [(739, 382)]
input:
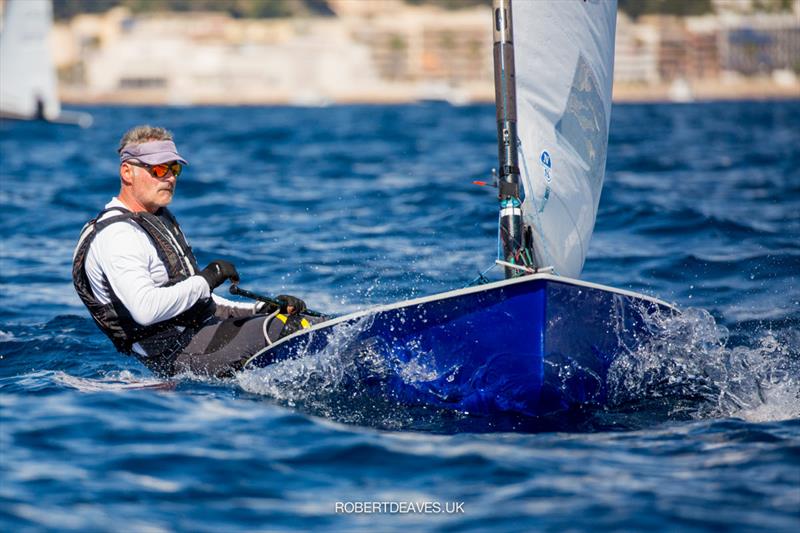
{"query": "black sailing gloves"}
[(290, 305), (217, 272)]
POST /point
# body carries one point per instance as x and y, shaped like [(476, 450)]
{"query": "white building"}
[(636, 52)]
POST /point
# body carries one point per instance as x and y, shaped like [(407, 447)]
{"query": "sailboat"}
[(539, 342), (28, 88)]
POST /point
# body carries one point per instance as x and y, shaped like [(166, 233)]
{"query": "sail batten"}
[(565, 61)]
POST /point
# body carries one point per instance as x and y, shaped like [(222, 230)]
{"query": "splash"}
[(686, 370), (113, 381), (690, 366), (348, 380), (314, 380)]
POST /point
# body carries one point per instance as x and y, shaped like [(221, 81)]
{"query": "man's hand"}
[(217, 272), (292, 305)]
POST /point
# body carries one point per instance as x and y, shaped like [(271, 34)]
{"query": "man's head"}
[(149, 167)]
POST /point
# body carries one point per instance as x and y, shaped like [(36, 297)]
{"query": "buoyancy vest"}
[(113, 318)]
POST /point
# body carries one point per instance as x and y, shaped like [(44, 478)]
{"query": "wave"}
[(690, 367), (122, 380), (348, 382)]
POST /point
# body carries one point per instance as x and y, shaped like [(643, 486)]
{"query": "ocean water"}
[(352, 206)]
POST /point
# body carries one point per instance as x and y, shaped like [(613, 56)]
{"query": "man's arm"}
[(128, 260), (230, 309)]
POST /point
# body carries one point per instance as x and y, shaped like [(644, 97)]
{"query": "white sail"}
[(27, 75), (564, 55)]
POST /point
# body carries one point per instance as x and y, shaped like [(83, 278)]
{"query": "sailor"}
[(137, 275)]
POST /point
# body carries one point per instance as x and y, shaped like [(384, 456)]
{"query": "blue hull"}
[(522, 348)]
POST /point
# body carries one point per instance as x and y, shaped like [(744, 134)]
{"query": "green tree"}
[(66, 9), (451, 4), (636, 8)]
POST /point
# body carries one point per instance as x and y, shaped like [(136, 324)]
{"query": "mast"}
[(511, 227)]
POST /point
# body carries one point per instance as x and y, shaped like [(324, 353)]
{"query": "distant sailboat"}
[(680, 92), (28, 85)]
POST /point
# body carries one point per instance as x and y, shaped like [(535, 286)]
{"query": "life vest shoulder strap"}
[(170, 245), (170, 218)]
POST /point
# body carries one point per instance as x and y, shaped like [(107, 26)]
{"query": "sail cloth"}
[(27, 76), (564, 57)]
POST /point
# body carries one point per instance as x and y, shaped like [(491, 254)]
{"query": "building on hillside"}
[(212, 58), (687, 48), (636, 52), (759, 45), (395, 53), (426, 43), (387, 50), (702, 45)]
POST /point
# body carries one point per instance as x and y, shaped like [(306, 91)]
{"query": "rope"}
[(481, 279)]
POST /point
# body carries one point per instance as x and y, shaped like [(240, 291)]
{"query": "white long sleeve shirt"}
[(125, 255)]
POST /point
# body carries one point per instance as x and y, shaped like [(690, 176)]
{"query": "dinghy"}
[(28, 87), (539, 342)]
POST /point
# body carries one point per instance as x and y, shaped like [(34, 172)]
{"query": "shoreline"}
[(698, 91)]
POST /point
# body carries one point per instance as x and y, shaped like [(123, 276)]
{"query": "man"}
[(137, 275)]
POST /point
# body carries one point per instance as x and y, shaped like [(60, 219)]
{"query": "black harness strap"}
[(169, 220)]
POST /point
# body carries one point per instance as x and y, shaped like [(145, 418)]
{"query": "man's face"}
[(151, 192)]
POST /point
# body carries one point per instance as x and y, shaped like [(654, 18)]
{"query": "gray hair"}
[(142, 134)]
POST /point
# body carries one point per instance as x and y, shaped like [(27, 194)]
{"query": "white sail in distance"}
[(27, 75), (564, 55)]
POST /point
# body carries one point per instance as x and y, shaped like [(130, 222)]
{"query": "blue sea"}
[(352, 206)]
